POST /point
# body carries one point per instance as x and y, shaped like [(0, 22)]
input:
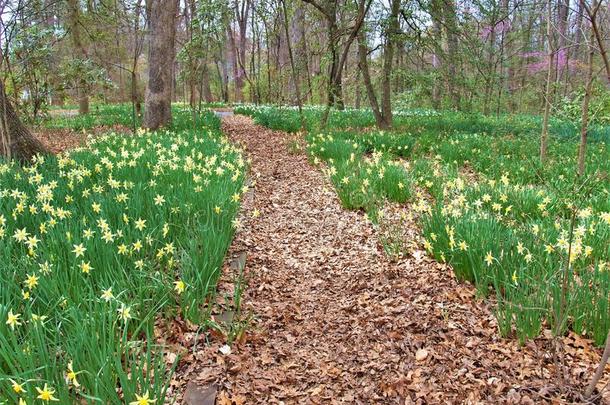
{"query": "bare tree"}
[(338, 53), (383, 115), (297, 87), (584, 119)]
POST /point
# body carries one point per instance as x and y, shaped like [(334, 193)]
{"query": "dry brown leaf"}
[(330, 309)]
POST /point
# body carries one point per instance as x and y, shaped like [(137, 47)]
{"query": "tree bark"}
[(241, 13), (451, 28), (388, 57), (16, 141), (297, 87), (366, 79), (80, 50), (549, 83), (329, 11), (578, 37), (598, 38), (437, 58), (162, 23), (138, 39), (600, 369), (584, 118)]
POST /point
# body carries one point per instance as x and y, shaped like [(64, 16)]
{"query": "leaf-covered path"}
[(336, 321)]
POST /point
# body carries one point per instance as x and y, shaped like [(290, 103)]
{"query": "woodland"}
[(304, 201)]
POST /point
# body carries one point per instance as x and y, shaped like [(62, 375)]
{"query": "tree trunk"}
[(599, 39), (388, 56), (79, 50), (584, 122), (549, 83), (190, 14), (16, 141), (138, 39), (162, 22), (242, 13), (297, 87), (205, 82), (600, 369), (451, 28), (335, 86), (135, 94), (366, 79), (507, 52), (358, 95), (578, 30), (561, 61), (437, 55), (237, 79)]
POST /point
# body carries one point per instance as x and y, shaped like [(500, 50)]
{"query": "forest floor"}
[(59, 140), (334, 320)]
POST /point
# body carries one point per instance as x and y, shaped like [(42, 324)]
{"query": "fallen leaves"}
[(336, 321), (225, 399), (61, 140)]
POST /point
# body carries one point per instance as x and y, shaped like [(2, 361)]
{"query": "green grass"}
[(416, 121), (101, 248), (109, 115), (485, 204)]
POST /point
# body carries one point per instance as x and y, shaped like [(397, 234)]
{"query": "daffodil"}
[(124, 312), (427, 245), (489, 259), (38, 319), (140, 224), (108, 237), (143, 400), (32, 242), (71, 376), (179, 286), (107, 294), (31, 281), (159, 200), (85, 267), (45, 268), (17, 387), (79, 250), (12, 319), (21, 235), (46, 394)]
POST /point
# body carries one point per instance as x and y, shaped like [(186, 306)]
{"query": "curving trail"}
[(337, 322)]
